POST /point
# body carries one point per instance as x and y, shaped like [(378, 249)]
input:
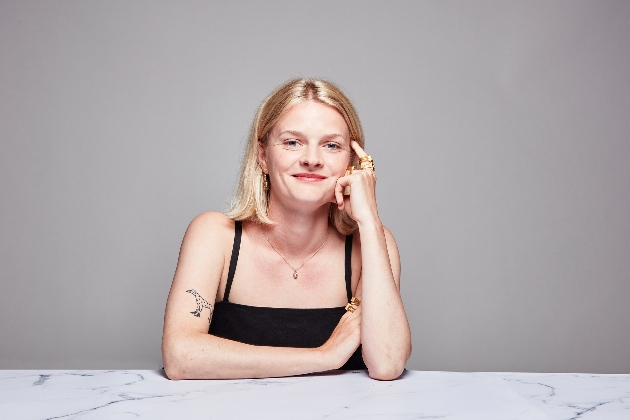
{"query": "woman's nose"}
[(311, 156)]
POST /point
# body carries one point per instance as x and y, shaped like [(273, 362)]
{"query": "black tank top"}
[(279, 327)]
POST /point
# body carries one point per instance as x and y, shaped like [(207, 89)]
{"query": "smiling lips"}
[(309, 177)]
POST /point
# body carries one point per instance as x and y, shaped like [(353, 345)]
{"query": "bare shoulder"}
[(211, 229), (212, 221), (389, 237), (206, 243)]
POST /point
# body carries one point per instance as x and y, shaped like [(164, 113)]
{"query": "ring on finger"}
[(367, 162), (353, 304)]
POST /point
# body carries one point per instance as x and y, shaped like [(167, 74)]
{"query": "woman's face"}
[(308, 149)]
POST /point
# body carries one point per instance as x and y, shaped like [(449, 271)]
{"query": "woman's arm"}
[(189, 352), (204, 356), (385, 333)]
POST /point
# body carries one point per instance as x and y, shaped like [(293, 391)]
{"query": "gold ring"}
[(367, 162), (352, 306)]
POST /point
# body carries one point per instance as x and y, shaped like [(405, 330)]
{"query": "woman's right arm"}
[(189, 352)]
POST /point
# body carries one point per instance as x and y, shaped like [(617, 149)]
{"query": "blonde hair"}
[(251, 199)]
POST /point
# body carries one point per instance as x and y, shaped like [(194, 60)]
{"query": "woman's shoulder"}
[(213, 227), (214, 220)]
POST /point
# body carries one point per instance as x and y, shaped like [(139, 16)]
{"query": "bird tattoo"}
[(201, 303)]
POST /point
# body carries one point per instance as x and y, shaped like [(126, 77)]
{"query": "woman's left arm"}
[(385, 333)]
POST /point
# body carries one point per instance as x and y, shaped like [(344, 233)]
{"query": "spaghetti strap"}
[(349, 266), (238, 231)]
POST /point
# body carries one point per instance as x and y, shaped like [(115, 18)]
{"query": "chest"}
[(263, 278)]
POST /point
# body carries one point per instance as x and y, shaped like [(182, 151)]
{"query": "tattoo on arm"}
[(201, 303)]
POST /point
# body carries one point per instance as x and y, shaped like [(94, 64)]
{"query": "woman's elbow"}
[(386, 373), (173, 372), (172, 360), (389, 368)]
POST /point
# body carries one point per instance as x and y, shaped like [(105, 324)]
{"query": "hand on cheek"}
[(356, 190)]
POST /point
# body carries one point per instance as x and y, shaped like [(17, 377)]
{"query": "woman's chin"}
[(312, 202), (306, 199)]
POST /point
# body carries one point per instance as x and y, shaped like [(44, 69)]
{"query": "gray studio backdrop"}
[(499, 131)]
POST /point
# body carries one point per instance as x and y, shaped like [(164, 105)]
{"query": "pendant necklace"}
[(295, 270)]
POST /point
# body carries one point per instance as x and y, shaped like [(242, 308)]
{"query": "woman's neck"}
[(296, 232)]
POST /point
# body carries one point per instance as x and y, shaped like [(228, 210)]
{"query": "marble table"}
[(132, 394)]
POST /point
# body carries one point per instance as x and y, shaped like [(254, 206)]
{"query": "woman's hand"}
[(344, 340), (361, 203)]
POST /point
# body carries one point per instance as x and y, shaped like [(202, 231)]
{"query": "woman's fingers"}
[(339, 189), (362, 195), (357, 149), (361, 153), (360, 186), (355, 317), (356, 324)]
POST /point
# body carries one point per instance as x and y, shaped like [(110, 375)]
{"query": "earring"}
[(264, 180)]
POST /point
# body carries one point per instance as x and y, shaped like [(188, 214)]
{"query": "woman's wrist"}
[(370, 224), (328, 358)]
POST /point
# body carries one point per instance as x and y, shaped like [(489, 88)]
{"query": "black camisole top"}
[(279, 327)]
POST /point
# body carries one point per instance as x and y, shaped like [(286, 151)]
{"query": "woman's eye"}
[(332, 147), (291, 144)]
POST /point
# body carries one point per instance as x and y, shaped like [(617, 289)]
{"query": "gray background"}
[(499, 131)]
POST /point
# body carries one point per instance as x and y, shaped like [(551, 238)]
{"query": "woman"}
[(300, 272)]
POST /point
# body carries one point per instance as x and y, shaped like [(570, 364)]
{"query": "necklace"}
[(295, 270)]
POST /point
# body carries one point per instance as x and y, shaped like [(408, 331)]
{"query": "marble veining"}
[(575, 396), (132, 394)]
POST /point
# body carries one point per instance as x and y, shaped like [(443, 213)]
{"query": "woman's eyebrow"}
[(292, 132), (332, 136), (300, 134)]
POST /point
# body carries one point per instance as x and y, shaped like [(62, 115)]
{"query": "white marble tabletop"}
[(132, 394)]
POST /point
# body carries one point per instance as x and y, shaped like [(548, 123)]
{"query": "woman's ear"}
[(262, 157)]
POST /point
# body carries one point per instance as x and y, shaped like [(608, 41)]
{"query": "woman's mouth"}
[(309, 177)]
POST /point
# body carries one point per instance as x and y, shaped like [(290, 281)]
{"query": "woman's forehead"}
[(312, 118)]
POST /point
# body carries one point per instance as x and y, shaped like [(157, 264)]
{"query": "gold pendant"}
[(295, 274)]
